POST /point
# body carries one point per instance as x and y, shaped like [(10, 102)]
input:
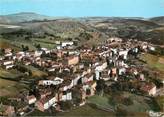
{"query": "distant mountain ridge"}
[(158, 20), (22, 17), (30, 16), (100, 28)]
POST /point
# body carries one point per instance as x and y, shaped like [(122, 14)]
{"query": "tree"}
[(76, 96), (22, 47), (111, 101), (127, 101), (66, 105), (4, 100), (12, 50), (88, 91), (100, 86), (120, 112), (2, 51), (27, 38), (2, 110), (26, 48), (38, 46), (69, 39)]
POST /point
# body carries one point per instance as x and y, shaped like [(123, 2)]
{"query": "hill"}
[(158, 20), (87, 30), (125, 28), (157, 35), (21, 17)]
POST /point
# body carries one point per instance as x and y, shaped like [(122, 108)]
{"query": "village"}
[(76, 73)]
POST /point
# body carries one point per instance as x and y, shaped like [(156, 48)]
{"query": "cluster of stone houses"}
[(7, 61), (77, 70)]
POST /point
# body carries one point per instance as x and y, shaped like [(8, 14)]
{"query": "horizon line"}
[(80, 16)]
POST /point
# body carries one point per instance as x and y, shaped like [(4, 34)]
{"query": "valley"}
[(91, 66)]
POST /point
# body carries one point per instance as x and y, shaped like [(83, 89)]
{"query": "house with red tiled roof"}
[(71, 60), (90, 88), (148, 88), (8, 110), (46, 102), (31, 99)]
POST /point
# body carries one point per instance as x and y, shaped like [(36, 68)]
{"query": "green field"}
[(160, 101), (100, 101), (155, 63), (10, 88), (46, 42), (35, 71), (16, 44), (139, 107), (87, 110), (138, 103), (10, 74), (81, 111), (8, 85), (7, 44)]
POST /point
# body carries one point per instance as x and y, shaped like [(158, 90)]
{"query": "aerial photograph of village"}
[(82, 58)]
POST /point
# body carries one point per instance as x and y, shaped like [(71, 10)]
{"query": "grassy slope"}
[(99, 101), (7, 44), (21, 17), (139, 104), (9, 73), (158, 34), (154, 63), (10, 88), (17, 43), (158, 20), (86, 110), (160, 101), (35, 71)]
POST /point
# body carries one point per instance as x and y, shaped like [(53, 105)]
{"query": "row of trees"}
[(26, 48)]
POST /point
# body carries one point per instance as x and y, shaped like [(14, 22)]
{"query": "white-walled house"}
[(56, 81), (91, 86), (31, 99), (8, 55), (123, 53), (45, 103), (66, 85), (121, 71), (87, 78), (101, 67), (20, 55), (66, 96), (149, 88), (51, 69), (8, 62), (119, 63), (75, 80), (151, 48), (153, 91), (69, 43), (114, 39), (38, 53), (97, 74), (45, 50), (9, 66)]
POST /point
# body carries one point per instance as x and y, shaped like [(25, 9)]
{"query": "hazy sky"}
[(79, 8)]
